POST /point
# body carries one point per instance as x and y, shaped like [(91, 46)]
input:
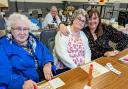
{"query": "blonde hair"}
[(17, 16)]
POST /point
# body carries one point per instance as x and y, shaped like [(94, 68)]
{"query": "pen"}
[(90, 74), (34, 87)]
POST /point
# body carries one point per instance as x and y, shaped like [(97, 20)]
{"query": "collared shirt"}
[(49, 19)]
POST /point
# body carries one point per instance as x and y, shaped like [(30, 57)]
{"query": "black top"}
[(101, 44)]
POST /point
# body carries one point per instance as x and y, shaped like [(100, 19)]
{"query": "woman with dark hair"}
[(99, 35)]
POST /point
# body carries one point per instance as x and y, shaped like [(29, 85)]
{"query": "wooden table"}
[(111, 80), (121, 54), (74, 79), (78, 78)]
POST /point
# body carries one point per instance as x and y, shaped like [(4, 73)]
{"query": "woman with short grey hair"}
[(72, 50), (23, 58)]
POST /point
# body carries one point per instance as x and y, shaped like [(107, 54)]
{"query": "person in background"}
[(52, 17), (23, 58), (72, 50), (42, 24), (34, 19), (99, 35)]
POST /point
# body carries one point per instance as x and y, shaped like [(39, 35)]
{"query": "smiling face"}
[(20, 31), (93, 21), (53, 11), (79, 22)]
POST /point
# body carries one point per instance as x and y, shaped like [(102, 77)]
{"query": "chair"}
[(51, 44), (48, 37)]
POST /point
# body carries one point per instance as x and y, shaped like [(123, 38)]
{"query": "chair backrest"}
[(48, 37), (51, 44)]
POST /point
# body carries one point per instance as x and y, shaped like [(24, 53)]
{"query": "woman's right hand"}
[(63, 29), (111, 53)]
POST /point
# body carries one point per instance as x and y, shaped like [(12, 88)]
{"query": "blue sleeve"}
[(5, 68), (8, 78), (46, 56), (3, 87)]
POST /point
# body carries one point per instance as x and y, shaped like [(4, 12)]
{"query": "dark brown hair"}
[(99, 30)]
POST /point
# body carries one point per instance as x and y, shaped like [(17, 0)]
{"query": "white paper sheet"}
[(97, 69), (57, 82), (52, 84)]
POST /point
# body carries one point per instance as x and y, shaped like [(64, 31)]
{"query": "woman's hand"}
[(111, 53), (63, 29), (47, 71), (29, 84)]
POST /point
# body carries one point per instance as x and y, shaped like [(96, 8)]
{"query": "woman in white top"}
[(73, 50)]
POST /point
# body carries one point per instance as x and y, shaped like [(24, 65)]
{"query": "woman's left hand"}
[(47, 71), (111, 53)]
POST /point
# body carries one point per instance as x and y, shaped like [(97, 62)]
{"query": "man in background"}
[(52, 17)]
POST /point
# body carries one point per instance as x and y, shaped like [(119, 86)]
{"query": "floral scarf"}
[(31, 41)]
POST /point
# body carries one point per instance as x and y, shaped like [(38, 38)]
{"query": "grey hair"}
[(80, 11), (17, 16), (53, 7)]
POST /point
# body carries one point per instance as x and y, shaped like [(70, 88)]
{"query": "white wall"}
[(50, 1), (60, 1), (121, 1)]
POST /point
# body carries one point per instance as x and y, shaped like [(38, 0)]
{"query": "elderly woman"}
[(23, 58), (73, 50)]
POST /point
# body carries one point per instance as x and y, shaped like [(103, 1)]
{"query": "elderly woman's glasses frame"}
[(79, 19), (19, 29)]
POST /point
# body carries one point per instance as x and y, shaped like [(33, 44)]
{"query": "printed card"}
[(52, 84), (57, 82), (124, 59), (98, 69)]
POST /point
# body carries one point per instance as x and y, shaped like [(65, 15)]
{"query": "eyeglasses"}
[(20, 29), (79, 19)]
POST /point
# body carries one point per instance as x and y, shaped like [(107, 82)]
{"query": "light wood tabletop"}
[(74, 79), (111, 80), (77, 78), (116, 58)]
